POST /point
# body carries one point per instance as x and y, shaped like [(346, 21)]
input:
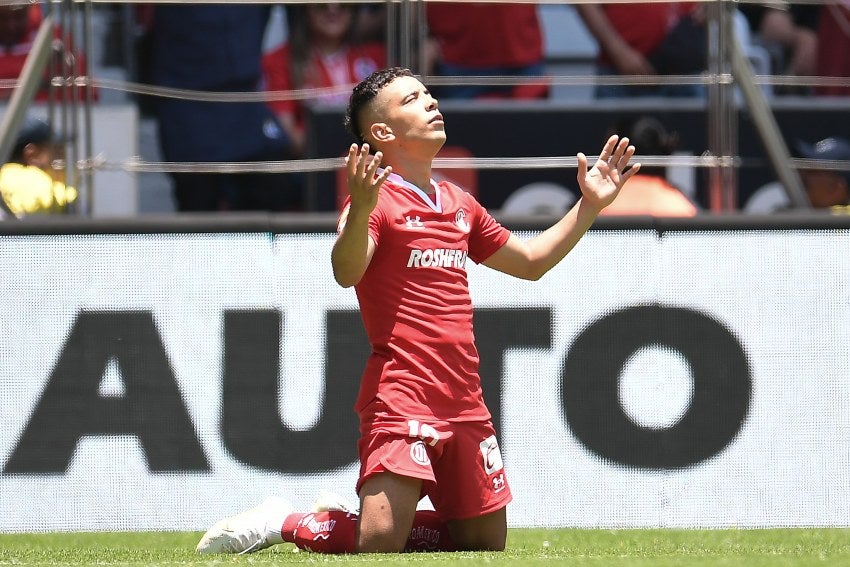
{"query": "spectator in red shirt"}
[(19, 25), (834, 35), (647, 39), (469, 39), (320, 53)]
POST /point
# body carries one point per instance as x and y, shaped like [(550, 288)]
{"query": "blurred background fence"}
[(738, 134)]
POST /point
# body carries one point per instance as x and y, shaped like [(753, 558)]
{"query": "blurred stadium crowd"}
[(306, 57)]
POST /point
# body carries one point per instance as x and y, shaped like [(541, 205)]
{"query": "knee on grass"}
[(383, 539)]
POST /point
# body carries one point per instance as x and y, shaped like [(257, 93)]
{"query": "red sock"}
[(429, 533), (324, 532), (335, 531)]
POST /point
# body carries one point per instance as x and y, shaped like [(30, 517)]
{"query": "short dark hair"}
[(364, 92)]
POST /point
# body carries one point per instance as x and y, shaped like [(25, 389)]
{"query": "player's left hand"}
[(600, 185)]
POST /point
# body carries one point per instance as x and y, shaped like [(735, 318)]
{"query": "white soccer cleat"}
[(252, 530), (330, 501)]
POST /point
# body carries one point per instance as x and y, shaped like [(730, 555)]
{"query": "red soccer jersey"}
[(414, 299)]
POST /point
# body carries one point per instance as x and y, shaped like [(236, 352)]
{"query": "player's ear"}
[(381, 132)]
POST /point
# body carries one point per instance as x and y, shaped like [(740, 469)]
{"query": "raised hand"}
[(363, 184), (600, 185)]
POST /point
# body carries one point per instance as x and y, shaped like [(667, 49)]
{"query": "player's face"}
[(410, 112)]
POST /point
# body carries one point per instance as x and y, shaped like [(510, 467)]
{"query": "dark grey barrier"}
[(291, 223)]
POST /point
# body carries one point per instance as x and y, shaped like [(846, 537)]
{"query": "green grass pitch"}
[(574, 547)]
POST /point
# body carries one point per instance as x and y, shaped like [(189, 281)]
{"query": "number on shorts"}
[(423, 431)]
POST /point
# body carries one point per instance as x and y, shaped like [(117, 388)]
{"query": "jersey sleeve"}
[(376, 220), (486, 235)]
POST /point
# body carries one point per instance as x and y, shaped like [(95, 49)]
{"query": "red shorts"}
[(459, 462)]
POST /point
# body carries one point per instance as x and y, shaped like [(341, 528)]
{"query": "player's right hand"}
[(363, 182)]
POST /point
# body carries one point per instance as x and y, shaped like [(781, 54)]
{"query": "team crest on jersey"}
[(460, 220)]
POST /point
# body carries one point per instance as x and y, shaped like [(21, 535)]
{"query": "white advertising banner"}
[(689, 379)]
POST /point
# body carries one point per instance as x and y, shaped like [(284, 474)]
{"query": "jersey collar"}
[(436, 205)]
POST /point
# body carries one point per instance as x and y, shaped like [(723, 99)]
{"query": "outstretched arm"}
[(353, 248), (531, 259)]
